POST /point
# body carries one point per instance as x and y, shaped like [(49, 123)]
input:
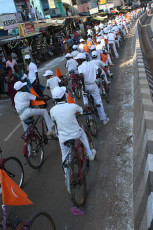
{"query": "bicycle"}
[(104, 89), (75, 84), (40, 220), (91, 119), (14, 169), (35, 139), (77, 167)]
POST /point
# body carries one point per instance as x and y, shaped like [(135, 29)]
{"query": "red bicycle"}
[(35, 139), (75, 84), (76, 166)]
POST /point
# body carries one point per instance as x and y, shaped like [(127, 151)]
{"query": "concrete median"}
[(143, 139)]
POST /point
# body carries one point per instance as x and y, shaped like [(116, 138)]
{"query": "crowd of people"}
[(90, 60)]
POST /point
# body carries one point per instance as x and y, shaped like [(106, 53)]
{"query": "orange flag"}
[(35, 103), (12, 194), (70, 99), (58, 73)]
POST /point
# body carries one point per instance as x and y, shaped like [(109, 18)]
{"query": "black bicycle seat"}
[(29, 120), (69, 142)]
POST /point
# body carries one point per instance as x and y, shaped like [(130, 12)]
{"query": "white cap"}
[(93, 47), (27, 56), (94, 54), (68, 55), (82, 40), (74, 47), (48, 73), (18, 85), (80, 56), (58, 92), (98, 40)]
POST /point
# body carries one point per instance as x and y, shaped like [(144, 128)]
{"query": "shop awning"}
[(6, 40), (99, 18)]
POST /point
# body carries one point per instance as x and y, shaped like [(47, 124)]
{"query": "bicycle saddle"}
[(69, 142), (29, 121)]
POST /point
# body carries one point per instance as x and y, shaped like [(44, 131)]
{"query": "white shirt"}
[(52, 83), (72, 65), (89, 71), (22, 100), (32, 68), (111, 37), (81, 48), (11, 64), (67, 125), (74, 53), (99, 63)]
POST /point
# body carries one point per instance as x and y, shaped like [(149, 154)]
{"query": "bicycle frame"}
[(74, 80), (31, 132)]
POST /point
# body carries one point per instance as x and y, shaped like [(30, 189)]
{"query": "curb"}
[(143, 143)]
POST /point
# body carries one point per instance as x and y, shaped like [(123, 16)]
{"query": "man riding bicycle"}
[(64, 115), (88, 73), (22, 104)]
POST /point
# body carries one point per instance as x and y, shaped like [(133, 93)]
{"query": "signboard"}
[(101, 2), (26, 29), (94, 10), (9, 21)]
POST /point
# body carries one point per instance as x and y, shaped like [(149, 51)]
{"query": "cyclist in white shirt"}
[(71, 63), (52, 81), (22, 104), (111, 40), (32, 70), (88, 72), (64, 115), (75, 51), (100, 65)]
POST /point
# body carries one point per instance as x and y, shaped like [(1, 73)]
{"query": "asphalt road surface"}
[(109, 203)]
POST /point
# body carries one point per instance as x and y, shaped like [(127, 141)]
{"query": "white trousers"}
[(83, 138), (114, 47), (36, 112), (94, 91)]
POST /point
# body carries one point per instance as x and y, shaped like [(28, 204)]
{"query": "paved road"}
[(109, 201)]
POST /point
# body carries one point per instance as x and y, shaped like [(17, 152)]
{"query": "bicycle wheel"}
[(92, 125), (89, 139), (35, 152), (78, 182), (41, 221), (77, 90), (14, 169)]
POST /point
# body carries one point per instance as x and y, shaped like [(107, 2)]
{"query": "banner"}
[(26, 29), (9, 21), (94, 10), (101, 2)]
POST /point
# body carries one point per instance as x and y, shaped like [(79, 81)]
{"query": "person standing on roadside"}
[(70, 43), (32, 71), (11, 63)]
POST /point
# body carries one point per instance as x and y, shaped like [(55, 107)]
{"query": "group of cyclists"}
[(90, 61)]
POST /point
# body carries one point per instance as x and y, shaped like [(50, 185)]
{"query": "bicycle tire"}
[(42, 221), (77, 91), (12, 171), (77, 183), (32, 152), (93, 126), (89, 139)]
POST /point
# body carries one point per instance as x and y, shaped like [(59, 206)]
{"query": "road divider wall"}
[(143, 139)]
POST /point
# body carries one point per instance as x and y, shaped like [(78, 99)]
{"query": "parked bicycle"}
[(35, 139), (40, 220), (77, 167), (13, 167)]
